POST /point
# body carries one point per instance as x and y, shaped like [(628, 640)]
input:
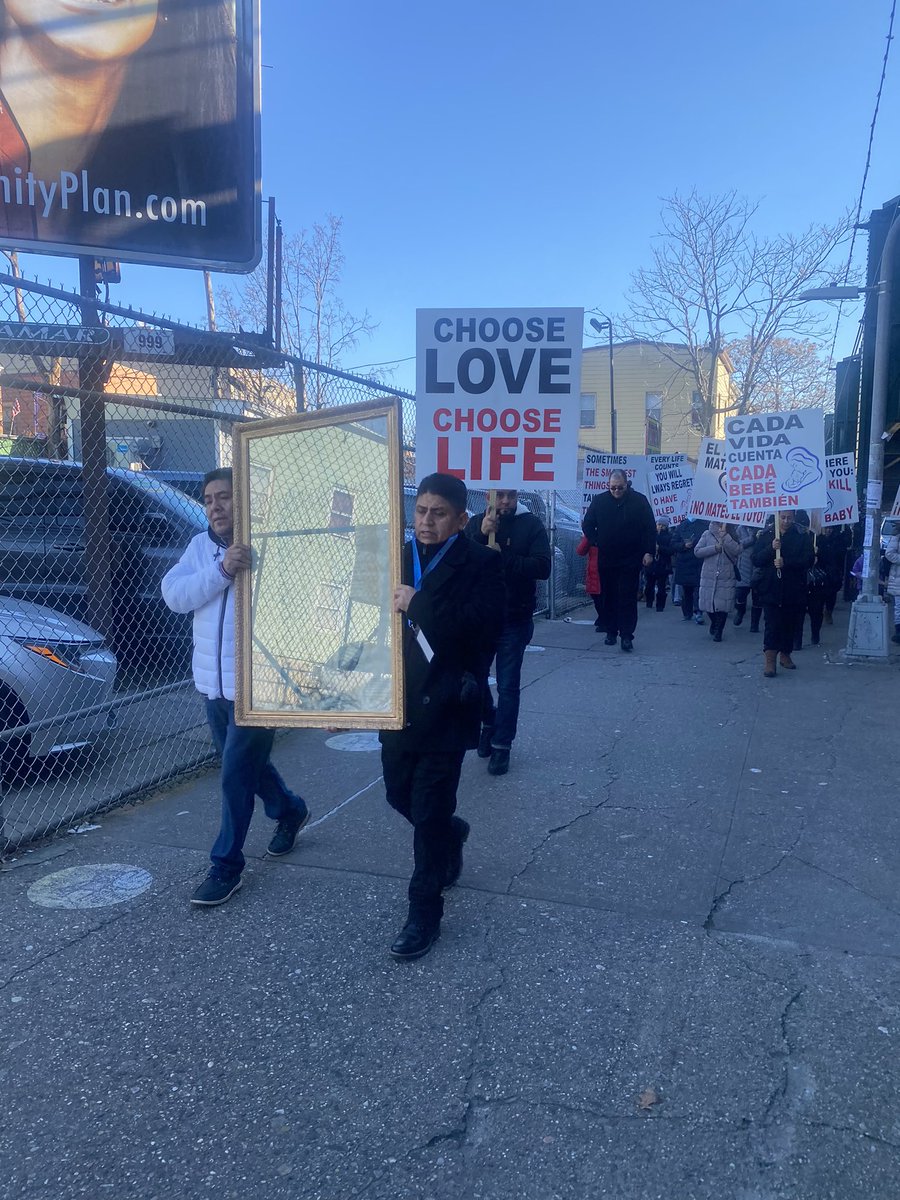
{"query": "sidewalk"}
[(671, 967)]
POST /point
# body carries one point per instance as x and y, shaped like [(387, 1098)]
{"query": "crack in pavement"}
[(860, 1133), (709, 923), (840, 879), (774, 1141)]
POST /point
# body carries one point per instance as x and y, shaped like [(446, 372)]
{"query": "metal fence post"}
[(553, 569)]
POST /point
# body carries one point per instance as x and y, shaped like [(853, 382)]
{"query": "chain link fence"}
[(110, 418)]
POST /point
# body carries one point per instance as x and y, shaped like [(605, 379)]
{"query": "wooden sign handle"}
[(492, 511)]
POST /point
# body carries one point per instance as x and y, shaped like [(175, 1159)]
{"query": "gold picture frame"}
[(318, 498)]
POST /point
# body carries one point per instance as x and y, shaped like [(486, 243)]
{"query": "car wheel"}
[(14, 751)]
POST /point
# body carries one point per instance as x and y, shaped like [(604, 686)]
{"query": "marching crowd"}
[(467, 597), (717, 570)]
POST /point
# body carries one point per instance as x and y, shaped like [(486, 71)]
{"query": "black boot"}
[(415, 938), (455, 857), (740, 611), (755, 614), (499, 763)]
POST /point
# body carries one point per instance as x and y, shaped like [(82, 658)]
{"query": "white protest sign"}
[(707, 500), (895, 511), (498, 395), (842, 508), (669, 483), (599, 466), (774, 461)]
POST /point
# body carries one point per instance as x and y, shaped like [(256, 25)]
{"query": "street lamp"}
[(870, 619), (600, 326)]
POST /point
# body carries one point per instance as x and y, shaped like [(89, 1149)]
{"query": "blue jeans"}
[(513, 639), (246, 773)]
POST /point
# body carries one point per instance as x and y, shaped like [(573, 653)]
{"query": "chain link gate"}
[(110, 418)]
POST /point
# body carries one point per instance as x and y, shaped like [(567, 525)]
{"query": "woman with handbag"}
[(784, 554)]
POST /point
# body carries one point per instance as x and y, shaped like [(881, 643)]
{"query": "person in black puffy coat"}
[(782, 587), (687, 567)]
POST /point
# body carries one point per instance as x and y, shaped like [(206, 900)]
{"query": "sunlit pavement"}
[(670, 968)]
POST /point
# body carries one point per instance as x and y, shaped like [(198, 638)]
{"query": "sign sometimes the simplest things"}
[(498, 395), (598, 466)]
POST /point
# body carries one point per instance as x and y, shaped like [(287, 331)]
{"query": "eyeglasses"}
[(617, 487)]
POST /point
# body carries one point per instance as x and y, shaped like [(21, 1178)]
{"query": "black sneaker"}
[(499, 763), (609, 640), (415, 939), (286, 834), (627, 645), (484, 742), (214, 891), (455, 857)]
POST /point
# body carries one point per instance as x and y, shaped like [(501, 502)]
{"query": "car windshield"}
[(167, 497)]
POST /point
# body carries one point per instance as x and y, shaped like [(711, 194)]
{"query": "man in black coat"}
[(620, 523), (524, 549), (452, 595), (784, 560)]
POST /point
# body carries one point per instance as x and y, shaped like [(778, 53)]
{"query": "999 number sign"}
[(149, 343)]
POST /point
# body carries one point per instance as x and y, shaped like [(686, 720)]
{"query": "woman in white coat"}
[(892, 554), (719, 552)]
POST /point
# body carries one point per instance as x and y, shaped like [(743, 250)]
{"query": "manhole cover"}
[(357, 743), (95, 886)]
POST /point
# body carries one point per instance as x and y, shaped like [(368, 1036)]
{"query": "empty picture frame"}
[(318, 500)]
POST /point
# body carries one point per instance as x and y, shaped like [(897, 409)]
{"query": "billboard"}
[(130, 130), (498, 394)]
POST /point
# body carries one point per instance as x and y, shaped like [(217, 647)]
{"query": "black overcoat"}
[(459, 608)]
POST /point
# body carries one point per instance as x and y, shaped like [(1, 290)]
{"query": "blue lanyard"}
[(418, 573)]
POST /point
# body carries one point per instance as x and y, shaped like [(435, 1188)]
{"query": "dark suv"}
[(42, 550)]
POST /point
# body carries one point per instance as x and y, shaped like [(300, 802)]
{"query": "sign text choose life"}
[(495, 395)]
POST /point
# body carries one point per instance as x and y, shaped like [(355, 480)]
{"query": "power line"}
[(390, 363), (862, 189)]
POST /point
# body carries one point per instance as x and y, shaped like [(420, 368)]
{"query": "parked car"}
[(51, 666), (43, 554)]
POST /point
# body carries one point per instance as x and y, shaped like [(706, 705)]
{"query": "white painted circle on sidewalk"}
[(357, 743), (95, 886), (535, 649)]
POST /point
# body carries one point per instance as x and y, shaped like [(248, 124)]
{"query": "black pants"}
[(688, 592), (717, 623), (656, 586), (618, 591), (780, 626), (422, 788), (598, 605)]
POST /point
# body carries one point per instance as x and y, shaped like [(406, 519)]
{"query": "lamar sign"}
[(498, 394)]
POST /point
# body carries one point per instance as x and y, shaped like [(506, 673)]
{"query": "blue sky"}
[(508, 152)]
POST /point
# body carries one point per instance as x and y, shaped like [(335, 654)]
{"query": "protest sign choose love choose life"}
[(498, 395), (774, 461)]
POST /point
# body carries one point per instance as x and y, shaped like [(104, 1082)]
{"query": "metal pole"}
[(97, 540), (870, 616), (551, 582), (612, 393)]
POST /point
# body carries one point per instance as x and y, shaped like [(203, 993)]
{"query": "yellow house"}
[(658, 409)]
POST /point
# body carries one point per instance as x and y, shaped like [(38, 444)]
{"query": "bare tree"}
[(789, 373), (315, 323), (714, 282)]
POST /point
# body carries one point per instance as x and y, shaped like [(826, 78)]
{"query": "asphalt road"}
[(670, 968)]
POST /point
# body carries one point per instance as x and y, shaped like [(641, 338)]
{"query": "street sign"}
[(25, 337), (140, 342)]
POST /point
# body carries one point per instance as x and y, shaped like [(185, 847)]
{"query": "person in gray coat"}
[(746, 536), (718, 552)]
